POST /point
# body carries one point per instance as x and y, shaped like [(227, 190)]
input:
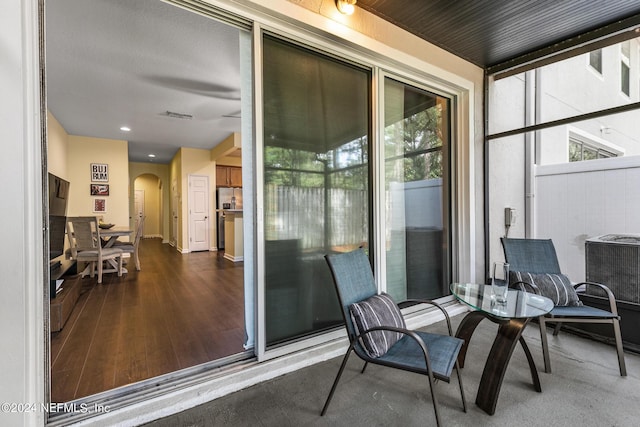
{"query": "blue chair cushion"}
[(556, 287), (377, 310), (583, 311), (443, 352)]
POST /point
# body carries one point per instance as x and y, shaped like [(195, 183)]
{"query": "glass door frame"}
[(448, 178)]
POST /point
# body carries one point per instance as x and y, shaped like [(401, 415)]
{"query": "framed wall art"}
[(99, 172), (99, 205), (99, 189)]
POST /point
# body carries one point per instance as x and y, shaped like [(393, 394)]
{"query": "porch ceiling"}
[(492, 32)]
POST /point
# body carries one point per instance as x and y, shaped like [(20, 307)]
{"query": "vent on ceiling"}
[(178, 115)]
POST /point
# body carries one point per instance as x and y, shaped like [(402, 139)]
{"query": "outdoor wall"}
[(572, 87), (82, 151), (506, 174), (580, 200), (22, 348)]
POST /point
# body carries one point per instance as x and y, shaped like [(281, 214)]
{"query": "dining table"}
[(512, 316), (109, 237)]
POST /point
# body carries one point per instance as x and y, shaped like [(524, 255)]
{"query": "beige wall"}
[(82, 151), (70, 156), (57, 140), (231, 145), (175, 175), (196, 162)]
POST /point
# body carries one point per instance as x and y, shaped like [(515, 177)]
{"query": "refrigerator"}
[(226, 198)]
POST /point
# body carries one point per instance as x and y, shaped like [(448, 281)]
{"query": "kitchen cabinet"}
[(228, 176)]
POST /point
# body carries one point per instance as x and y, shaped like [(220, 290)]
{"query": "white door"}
[(198, 213), (139, 207)]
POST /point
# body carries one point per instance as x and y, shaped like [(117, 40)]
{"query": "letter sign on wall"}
[(99, 172)]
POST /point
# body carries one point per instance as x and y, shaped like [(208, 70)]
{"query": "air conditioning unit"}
[(614, 260)]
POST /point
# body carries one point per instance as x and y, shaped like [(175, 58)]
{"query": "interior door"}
[(198, 213), (139, 208)]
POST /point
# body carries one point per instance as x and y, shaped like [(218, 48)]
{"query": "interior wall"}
[(175, 172), (197, 162), (82, 152), (57, 142)]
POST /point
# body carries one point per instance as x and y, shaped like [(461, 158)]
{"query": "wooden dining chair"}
[(84, 240), (132, 247)]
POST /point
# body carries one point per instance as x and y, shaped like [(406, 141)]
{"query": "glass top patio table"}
[(519, 305), (512, 317)]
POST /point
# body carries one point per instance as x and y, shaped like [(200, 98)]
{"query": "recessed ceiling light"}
[(125, 129), (152, 155)]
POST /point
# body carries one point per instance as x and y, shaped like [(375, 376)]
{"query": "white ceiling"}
[(113, 63)]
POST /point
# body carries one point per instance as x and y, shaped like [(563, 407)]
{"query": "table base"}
[(508, 336)]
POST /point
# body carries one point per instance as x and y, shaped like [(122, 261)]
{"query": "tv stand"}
[(59, 268), (62, 306), (62, 303)]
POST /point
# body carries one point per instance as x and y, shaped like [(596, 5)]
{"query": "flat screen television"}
[(58, 199)]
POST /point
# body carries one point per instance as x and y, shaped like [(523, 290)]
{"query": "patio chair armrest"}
[(528, 287), (612, 299), (403, 331), (435, 304)]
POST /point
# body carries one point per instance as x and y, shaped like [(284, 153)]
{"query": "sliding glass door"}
[(317, 186), (416, 238)]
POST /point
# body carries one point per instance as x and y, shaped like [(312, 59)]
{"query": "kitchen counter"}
[(233, 235)]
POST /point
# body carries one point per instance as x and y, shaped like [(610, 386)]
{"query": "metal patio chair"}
[(537, 257), (377, 333)]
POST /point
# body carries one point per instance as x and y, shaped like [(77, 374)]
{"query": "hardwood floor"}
[(179, 311)]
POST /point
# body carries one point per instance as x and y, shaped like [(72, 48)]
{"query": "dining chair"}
[(534, 267), (377, 331), (132, 248), (84, 240)]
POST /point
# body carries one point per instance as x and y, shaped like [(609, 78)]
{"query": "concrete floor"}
[(585, 389)]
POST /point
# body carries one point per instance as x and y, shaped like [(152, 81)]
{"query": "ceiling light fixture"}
[(179, 115), (346, 7), (125, 129), (152, 155)]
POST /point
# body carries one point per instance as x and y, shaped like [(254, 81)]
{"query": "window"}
[(579, 151), (625, 49), (595, 60)]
